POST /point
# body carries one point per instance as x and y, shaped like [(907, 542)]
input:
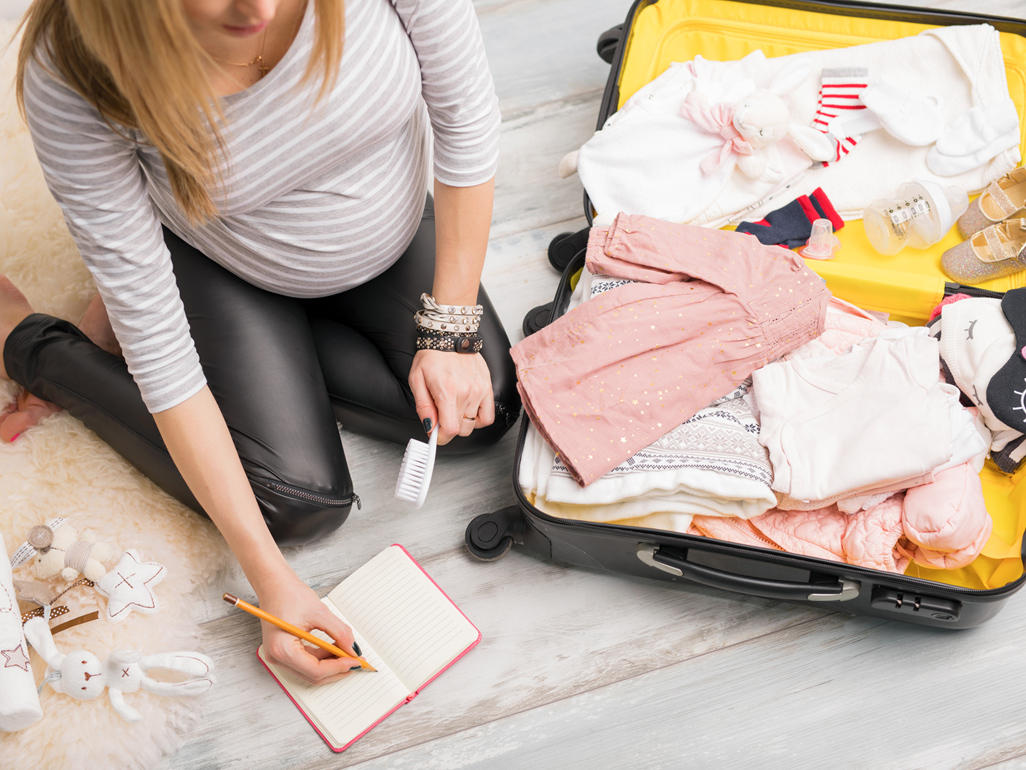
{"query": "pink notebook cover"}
[(408, 697)]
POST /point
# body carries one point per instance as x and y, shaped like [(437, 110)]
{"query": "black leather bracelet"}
[(449, 342)]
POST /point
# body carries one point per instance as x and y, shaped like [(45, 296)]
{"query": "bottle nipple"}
[(822, 243)]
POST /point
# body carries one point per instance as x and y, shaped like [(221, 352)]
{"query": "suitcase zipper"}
[(312, 497)]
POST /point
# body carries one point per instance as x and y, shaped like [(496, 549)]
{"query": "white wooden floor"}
[(578, 669)]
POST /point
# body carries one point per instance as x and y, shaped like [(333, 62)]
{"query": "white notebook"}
[(406, 627)]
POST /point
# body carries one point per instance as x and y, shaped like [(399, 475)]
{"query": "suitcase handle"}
[(839, 591)]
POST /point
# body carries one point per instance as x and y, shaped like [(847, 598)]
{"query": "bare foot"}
[(25, 412), (96, 326), (14, 308)]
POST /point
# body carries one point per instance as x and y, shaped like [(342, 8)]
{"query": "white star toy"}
[(129, 586), (15, 658)]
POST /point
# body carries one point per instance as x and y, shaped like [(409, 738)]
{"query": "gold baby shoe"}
[(1003, 198), (993, 252)]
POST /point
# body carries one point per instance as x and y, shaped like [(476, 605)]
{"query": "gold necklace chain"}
[(258, 60)]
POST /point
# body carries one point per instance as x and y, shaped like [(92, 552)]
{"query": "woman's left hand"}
[(453, 390)]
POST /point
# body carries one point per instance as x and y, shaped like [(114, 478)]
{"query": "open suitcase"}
[(907, 287)]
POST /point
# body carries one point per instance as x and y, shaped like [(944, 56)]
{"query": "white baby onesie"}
[(838, 426)]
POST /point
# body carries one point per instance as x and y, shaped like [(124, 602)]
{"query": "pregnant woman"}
[(247, 182)]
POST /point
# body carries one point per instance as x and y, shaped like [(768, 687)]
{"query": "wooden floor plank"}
[(528, 191), (542, 51), (841, 692)]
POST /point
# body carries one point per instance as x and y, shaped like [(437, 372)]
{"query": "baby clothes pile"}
[(715, 142), (862, 425), (845, 443), (701, 311), (711, 463)]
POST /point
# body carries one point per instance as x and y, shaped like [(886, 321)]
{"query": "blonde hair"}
[(138, 63)]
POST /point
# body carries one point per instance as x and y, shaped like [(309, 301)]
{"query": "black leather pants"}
[(281, 369)]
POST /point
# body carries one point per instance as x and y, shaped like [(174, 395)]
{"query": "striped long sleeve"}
[(457, 88), (95, 176)]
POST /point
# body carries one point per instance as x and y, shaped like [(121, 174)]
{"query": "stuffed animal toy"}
[(82, 675), (129, 586), (59, 550), (762, 119), (750, 129)]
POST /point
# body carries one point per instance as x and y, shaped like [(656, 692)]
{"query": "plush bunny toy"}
[(749, 130), (762, 119), (81, 675)]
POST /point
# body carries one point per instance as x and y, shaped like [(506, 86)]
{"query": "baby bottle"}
[(918, 216)]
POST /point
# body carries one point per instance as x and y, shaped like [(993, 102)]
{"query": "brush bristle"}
[(412, 471)]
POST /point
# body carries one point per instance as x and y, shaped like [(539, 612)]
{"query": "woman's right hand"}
[(293, 601)]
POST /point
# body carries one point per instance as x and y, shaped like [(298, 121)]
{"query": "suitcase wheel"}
[(607, 43), (487, 537), (561, 251), (565, 246), (537, 318)]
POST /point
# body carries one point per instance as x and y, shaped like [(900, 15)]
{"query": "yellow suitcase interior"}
[(906, 286)]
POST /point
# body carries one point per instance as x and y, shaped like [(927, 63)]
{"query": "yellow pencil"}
[(294, 630)]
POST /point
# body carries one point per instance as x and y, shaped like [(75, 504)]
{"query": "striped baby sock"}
[(841, 116)]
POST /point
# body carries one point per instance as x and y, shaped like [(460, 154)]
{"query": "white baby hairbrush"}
[(415, 471)]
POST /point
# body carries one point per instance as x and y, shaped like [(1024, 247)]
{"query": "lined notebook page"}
[(344, 709), (404, 616)]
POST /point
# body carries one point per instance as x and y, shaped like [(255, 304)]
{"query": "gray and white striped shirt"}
[(316, 199)]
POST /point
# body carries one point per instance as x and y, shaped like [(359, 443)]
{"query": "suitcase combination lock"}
[(910, 603)]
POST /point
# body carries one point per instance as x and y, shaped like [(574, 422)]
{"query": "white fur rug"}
[(61, 467)]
